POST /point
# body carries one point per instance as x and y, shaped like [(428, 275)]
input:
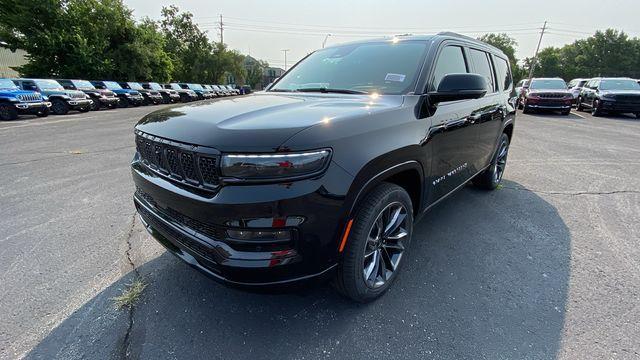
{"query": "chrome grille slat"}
[(29, 97)]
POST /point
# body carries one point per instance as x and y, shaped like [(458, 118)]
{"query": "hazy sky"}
[(264, 28)]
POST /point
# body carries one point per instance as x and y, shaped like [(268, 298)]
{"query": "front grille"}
[(29, 97), (628, 98), (179, 162), (552, 95), (77, 95)]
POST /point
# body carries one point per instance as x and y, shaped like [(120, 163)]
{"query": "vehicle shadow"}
[(486, 278)]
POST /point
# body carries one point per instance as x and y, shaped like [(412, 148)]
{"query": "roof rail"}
[(455, 34)]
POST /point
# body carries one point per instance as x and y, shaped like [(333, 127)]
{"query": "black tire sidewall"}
[(352, 265), (11, 113), (59, 107)]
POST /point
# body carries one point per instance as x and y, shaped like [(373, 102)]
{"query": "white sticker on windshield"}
[(395, 77)]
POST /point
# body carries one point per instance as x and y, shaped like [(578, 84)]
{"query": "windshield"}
[(175, 86), (388, 67), (135, 85), (195, 87), (7, 84), (112, 85), (155, 86), (550, 84), (48, 85), (621, 84), (83, 84)]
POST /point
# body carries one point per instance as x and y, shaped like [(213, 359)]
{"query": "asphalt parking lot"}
[(546, 267)]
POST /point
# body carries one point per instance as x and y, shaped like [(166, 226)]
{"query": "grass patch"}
[(130, 295), (499, 187)]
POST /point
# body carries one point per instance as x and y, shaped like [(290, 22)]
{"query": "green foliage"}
[(606, 53), (255, 70), (508, 46), (99, 39)]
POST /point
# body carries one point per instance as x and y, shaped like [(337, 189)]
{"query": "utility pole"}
[(285, 58), (325, 40), (221, 31), (535, 56)]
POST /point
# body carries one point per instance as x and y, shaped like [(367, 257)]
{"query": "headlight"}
[(275, 166), (608, 97), (45, 98)]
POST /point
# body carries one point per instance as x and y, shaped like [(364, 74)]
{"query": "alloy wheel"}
[(501, 161), (384, 246)]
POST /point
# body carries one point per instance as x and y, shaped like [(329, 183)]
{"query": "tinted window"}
[(388, 67), (619, 84), (502, 73), (482, 66), (548, 84), (450, 61)]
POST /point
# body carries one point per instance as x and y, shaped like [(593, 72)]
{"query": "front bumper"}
[(108, 101), (549, 106), (619, 106), (79, 104), (135, 100), (29, 108), (192, 226), (156, 99)]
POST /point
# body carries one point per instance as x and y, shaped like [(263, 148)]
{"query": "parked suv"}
[(575, 86), (324, 174), (521, 87), (186, 95), (100, 98), (199, 90), (14, 102), (610, 95), (126, 97), (62, 100), (547, 94), (149, 97), (168, 95)]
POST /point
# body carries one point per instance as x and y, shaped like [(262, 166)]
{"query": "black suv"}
[(611, 95), (101, 98), (324, 174), (547, 94)]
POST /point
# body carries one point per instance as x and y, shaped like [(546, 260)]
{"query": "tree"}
[(85, 39), (508, 46)]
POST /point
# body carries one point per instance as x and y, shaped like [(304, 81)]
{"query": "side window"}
[(502, 73), (572, 83), (482, 66), (596, 84), (450, 61)]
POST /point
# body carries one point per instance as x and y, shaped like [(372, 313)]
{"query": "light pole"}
[(325, 40), (285, 58)]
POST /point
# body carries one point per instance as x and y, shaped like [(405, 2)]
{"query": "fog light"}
[(259, 235)]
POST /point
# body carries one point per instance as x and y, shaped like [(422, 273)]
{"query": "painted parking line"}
[(578, 115)]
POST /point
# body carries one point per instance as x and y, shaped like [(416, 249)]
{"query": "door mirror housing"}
[(459, 87)]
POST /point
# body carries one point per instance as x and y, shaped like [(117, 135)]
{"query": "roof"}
[(426, 37)]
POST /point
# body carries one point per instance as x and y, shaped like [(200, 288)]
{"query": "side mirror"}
[(459, 87)]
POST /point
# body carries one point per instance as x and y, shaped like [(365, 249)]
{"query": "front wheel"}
[(595, 109), (43, 113), (95, 105), (8, 112), (380, 233), (565, 112), (59, 107), (579, 104), (492, 176)]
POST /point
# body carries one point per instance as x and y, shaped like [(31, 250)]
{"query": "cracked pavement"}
[(546, 267)]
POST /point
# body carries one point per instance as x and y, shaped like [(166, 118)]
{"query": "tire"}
[(375, 213), (123, 102), (492, 176), (59, 107), (526, 109), (8, 112), (43, 113), (637, 115), (565, 112), (579, 104), (595, 109), (85, 109), (95, 105)]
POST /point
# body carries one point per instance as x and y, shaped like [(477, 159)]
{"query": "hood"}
[(125, 91), (258, 122), (16, 92), (69, 93)]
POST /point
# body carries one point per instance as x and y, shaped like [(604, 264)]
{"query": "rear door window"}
[(503, 74), (482, 66)]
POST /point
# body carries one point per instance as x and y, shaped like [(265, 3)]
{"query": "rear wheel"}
[(8, 112), (59, 107), (380, 233), (492, 176)]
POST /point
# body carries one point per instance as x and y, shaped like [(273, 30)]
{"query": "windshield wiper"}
[(279, 90), (329, 90)]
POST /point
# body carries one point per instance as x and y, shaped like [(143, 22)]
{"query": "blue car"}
[(14, 102)]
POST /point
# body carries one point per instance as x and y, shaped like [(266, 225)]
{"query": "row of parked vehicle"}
[(599, 95), (44, 96)]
